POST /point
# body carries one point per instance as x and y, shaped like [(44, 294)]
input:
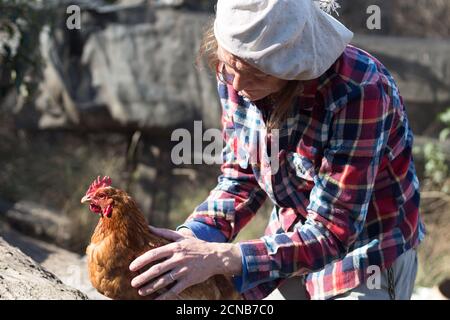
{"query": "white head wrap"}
[(288, 39)]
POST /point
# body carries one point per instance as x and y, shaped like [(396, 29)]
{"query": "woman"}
[(345, 222)]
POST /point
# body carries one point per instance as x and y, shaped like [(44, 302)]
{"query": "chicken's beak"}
[(85, 199)]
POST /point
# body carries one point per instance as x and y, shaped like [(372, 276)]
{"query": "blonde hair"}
[(283, 99)]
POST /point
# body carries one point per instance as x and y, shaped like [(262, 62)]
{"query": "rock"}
[(169, 3), (127, 68), (37, 221), (154, 83), (69, 267), (403, 18), (23, 278), (131, 66), (203, 5), (421, 68)]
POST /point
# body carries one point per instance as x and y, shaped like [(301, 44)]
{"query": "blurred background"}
[(104, 99)]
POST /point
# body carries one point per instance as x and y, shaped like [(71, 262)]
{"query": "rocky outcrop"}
[(23, 278), (128, 67), (421, 68), (37, 221), (402, 18), (69, 267), (131, 67)]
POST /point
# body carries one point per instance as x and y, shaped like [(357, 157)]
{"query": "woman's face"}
[(245, 79)]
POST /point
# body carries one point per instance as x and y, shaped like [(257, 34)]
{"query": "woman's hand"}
[(188, 261)]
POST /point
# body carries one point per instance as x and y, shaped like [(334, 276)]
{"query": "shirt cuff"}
[(240, 282), (204, 232), (254, 266)]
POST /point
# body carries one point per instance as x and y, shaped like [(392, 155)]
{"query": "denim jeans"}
[(396, 282)]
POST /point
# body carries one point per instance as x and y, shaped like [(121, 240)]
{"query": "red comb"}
[(99, 183)]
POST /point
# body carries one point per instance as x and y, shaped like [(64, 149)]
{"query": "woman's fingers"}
[(166, 233), (153, 272), (160, 283), (163, 281), (151, 256), (174, 293)]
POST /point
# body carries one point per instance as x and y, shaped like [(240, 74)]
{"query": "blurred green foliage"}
[(437, 170), (20, 61)]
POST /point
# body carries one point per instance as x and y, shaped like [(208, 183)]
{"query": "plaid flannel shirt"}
[(345, 191)]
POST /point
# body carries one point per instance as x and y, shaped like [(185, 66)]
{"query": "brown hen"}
[(122, 234)]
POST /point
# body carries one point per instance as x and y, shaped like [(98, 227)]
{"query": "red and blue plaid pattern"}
[(345, 192)]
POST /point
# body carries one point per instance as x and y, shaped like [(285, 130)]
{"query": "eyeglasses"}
[(223, 75), (227, 78)]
